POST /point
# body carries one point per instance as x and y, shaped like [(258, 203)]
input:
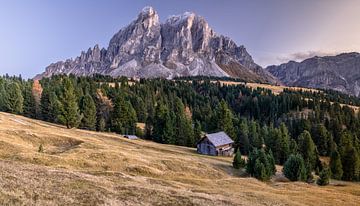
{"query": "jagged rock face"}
[(184, 45), (341, 73)]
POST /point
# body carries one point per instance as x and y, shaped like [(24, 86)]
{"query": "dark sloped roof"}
[(219, 138)]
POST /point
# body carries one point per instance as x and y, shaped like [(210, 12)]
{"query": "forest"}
[(294, 129)]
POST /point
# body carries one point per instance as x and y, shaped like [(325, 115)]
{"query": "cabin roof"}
[(219, 139), (131, 136)]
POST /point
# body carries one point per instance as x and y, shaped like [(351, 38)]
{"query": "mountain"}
[(341, 73), (184, 45)]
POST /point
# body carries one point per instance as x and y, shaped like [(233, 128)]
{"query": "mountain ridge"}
[(183, 45), (340, 72)]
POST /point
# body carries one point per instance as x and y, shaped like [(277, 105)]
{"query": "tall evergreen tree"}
[(335, 164), (29, 100), (123, 117), (70, 113), (88, 111), (13, 99), (350, 164), (225, 119), (307, 149), (243, 137)]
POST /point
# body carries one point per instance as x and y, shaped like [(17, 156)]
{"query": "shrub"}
[(324, 177), (238, 161), (41, 148)]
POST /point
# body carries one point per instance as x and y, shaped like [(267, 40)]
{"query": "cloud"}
[(300, 56)]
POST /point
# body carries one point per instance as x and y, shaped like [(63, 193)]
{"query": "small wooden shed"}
[(131, 137), (216, 144)]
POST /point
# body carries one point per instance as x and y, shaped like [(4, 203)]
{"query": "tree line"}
[(293, 128)]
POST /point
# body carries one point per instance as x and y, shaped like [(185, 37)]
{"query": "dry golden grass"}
[(89, 168), (276, 89)]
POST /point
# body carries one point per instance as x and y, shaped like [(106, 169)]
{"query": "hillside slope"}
[(88, 168)]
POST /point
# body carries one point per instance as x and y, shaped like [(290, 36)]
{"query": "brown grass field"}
[(89, 168)]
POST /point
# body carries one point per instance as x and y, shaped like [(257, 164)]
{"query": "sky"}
[(35, 33)]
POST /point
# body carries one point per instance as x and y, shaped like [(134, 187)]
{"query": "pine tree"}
[(29, 100), (272, 167), (70, 113), (350, 164), (183, 127), (13, 99), (168, 135), (238, 161), (294, 168), (88, 110), (123, 119), (322, 139), (307, 149), (197, 131), (260, 171), (335, 164), (284, 144), (243, 137), (225, 119)]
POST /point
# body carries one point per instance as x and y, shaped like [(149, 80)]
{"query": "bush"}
[(294, 168), (41, 149), (238, 161), (324, 177)]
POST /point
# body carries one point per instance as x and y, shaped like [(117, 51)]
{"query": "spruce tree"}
[(123, 118), (350, 164), (307, 149), (88, 110), (243, 137), (225, 119), (183, 127), (197, 131), (260, 171), (29, 100), (322, 139), (70, 113), (13, 98), (335, 164), (294, 168)]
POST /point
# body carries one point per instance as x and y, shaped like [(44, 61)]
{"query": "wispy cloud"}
[(300, 56)]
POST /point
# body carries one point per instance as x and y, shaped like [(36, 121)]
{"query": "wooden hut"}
[(216, 144)]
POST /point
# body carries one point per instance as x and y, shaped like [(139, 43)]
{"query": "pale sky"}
[(35, 33)]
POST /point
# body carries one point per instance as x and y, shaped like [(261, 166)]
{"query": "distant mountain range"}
[(340, 73), (184, 45)]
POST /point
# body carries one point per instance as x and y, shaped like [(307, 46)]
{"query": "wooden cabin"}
[(216, 144), (131, 137)]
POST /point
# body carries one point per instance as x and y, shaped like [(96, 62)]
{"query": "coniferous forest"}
[(293, 129)]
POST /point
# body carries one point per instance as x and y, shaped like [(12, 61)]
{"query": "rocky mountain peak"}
[(148, 17), (184, 45)]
